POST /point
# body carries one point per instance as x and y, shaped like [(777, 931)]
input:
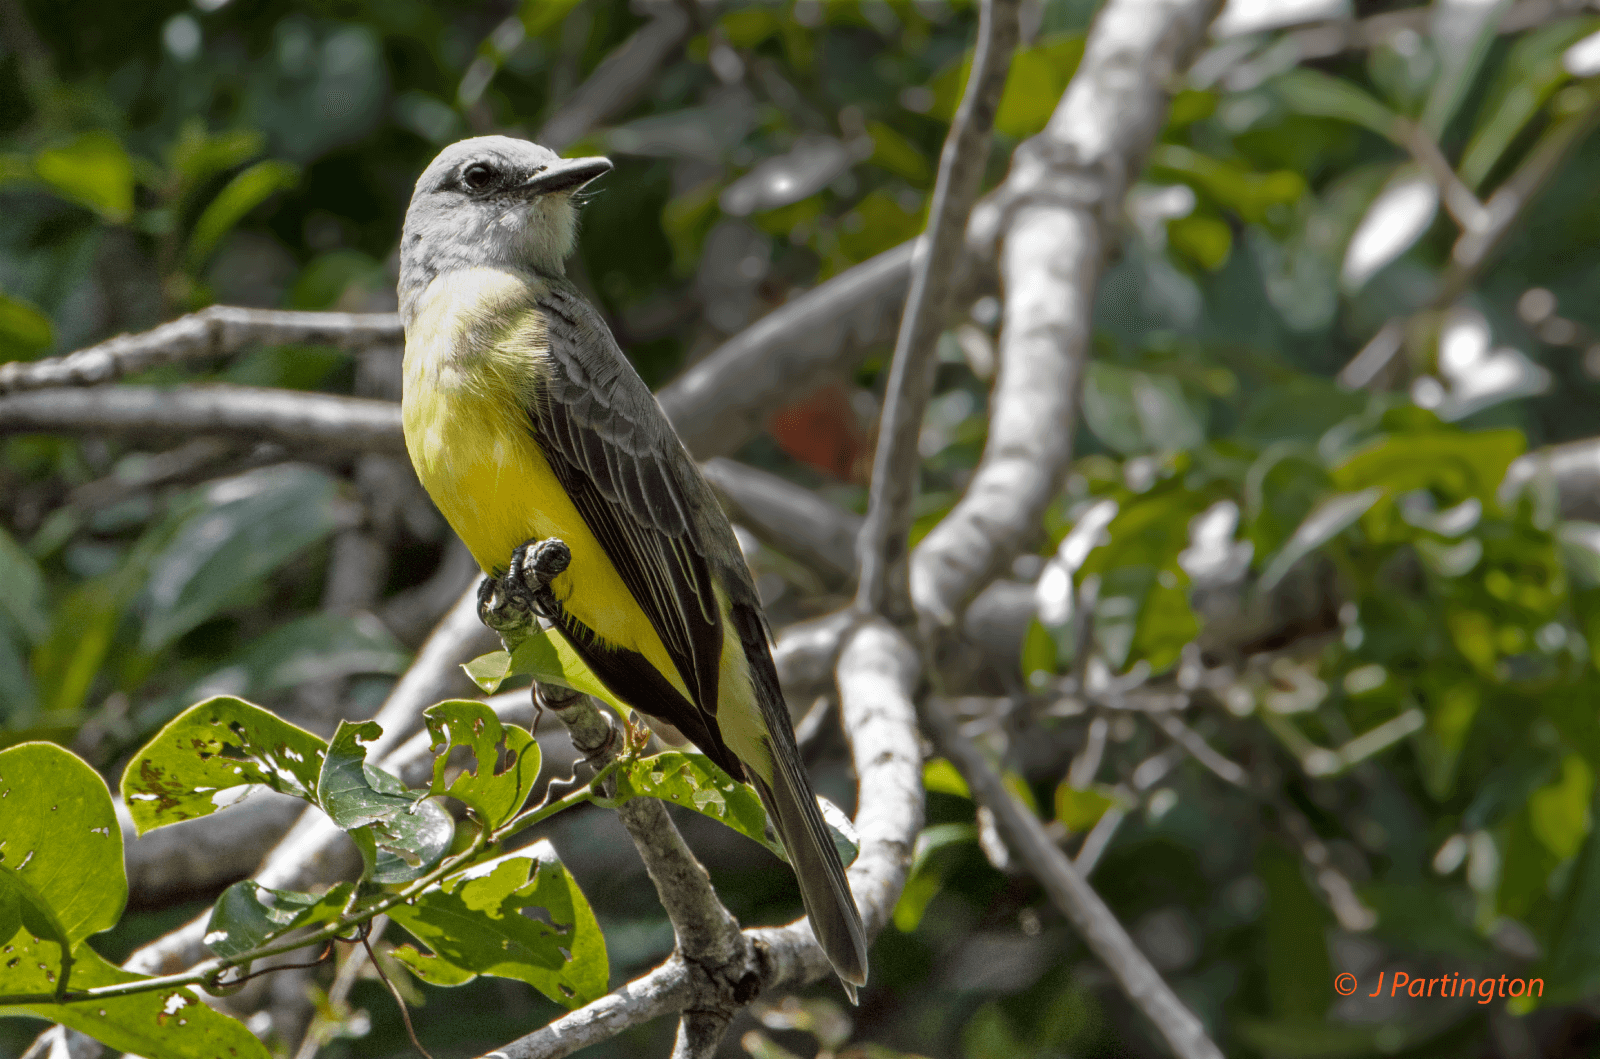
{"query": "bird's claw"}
[(511, 603)]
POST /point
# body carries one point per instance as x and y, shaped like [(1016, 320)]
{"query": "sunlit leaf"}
[(548, 658), (1403, 211), (518, 916), (692, 781), (93, 170), (59, 838), (503, 759), (431, 968), (1559, 812), (208, 757), (161, 1024), (1079, 810)]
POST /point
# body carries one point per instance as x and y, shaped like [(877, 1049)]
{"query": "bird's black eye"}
[(478, 176)]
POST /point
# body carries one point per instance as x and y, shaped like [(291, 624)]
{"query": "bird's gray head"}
[(491, 201)]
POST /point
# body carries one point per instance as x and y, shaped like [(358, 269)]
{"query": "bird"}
[(525, 421)]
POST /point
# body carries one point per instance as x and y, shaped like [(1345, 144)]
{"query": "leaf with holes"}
[(401, 834), (211, 756), (249, 915), (695, 782), (60, 846), (518, 916), (163, 1024), (504, 759)]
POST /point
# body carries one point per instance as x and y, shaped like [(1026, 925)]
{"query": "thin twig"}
[(621, 79), (1099, 928), (882, 551)]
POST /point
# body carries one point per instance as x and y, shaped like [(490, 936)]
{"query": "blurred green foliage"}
[(1427, 714)]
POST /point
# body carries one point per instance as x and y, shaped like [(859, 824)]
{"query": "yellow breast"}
[(471, 440)]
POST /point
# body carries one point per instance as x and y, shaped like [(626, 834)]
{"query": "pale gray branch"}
[(1073, 895), (293, 418), (220, 330), (882, 551), (1062, 202)]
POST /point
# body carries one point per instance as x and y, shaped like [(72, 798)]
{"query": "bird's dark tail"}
[(823, 887), (792, 807)]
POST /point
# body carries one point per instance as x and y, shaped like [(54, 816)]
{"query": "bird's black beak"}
[(565, 174)]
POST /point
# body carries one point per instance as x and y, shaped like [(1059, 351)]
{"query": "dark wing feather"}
[(604, 437)]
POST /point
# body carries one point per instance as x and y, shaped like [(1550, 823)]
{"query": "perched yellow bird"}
[(525, 421)]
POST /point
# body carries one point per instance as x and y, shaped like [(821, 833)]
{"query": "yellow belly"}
[(473, 448)]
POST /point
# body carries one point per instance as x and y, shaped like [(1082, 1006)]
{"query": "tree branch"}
[(294, 418), (218, 331), (1062, 202), (1076, 899), (795, 521), (881, 552), (621, 79)]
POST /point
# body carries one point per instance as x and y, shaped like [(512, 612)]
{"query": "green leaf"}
[(1454, 463), (1559, 813), (430, 968), (242, 194), (320, 646), (1321, 95), (928, 866), (22, 589), (25, 332), (92, 170), (1253, 196), (1330, 518), (249, 915), (208, 756), (898, 155), (518, 916), (161, 1024), (548, 658), (694, 782), (402, 834), (1462, 36), (1207, 241), (1136, 412), (248, 526), (505, 759), (1530, 76), (1079, 810), (940, 776), (1034, 84), (59, 837), (1573, 965)]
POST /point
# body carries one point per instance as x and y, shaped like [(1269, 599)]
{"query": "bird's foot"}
[(512, 603), (638, 739)]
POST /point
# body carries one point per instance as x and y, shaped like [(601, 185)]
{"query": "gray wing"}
[(630, 478)]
